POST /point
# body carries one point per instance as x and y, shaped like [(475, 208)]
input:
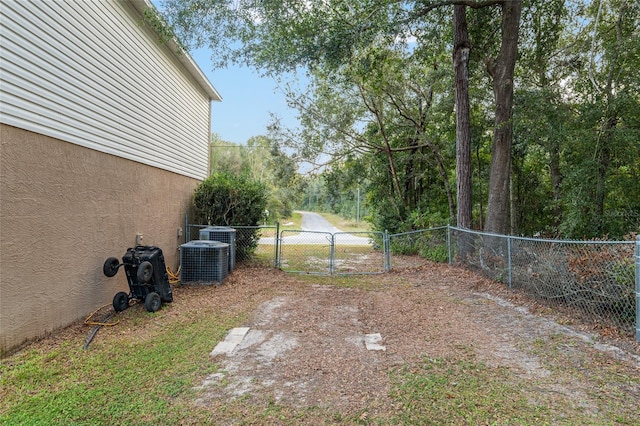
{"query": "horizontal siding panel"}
[(91, 138), (158, 72), (75, 71), (85, 72), (78, 101)]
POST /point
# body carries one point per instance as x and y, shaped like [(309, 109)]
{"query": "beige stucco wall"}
[(63, 210)]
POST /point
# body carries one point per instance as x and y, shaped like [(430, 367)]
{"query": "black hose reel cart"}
[(147, 277)]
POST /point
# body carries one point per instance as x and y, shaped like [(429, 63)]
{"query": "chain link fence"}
[(432, 244), (327, 253), (255, 243), (308, 252), (305, 252), (597, 282)]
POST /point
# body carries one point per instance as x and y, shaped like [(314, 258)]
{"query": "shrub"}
[(435, 253), (230, 200)]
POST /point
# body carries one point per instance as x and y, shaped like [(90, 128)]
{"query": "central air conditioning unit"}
[(224, 235), (204, 261)]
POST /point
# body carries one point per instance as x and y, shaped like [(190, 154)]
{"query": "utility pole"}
[(358, 206)]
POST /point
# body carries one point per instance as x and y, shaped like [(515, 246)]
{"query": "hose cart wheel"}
[(145, 272), (110, 267), (120, 301), (152, 302)]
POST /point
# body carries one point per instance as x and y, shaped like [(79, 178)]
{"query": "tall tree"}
[(605, 151), (541, 119), (501, 69), (383, 108), (461, 48)]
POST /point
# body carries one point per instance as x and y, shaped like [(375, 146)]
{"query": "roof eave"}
[(185, 59)]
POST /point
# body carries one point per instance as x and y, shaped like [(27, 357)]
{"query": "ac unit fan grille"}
[(205, 261), (224, 235)]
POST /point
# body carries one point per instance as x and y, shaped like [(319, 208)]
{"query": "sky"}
[(247, 101)]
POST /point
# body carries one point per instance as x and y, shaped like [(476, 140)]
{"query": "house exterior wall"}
[(90, 73), (64, 210), (104, 134)]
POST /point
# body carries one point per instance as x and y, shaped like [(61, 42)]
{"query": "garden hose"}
[(97, 324), (173, 278), (89, 319)]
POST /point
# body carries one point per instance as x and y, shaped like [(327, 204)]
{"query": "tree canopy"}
[(552, 142)]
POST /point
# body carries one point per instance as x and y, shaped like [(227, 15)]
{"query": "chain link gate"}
[(340, 253)]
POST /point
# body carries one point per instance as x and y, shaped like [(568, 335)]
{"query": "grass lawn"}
[(346, 225), (293, 222)]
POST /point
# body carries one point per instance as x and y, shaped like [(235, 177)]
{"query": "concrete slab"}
[(372, 342), (236, 335), (233, 339)]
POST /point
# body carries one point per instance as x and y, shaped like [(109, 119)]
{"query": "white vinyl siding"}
[(88, 73)]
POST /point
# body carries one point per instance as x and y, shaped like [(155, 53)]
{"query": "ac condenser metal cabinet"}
[(204, 261), (222, 234)]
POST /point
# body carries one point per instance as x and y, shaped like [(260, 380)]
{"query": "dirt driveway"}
[(359, 350), (306, 342)]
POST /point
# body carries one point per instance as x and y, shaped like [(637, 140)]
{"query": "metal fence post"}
[(509, 259), (386, 247), (332, 255), (449, 256), (276, 238), (638, 288)]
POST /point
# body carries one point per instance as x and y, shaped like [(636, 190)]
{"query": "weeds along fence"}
[(597, 282)]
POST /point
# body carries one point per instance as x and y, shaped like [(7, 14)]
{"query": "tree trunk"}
[(556, 181), (603, 154), (445, 180), (461, 50), (603, 147), (502, 70)]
